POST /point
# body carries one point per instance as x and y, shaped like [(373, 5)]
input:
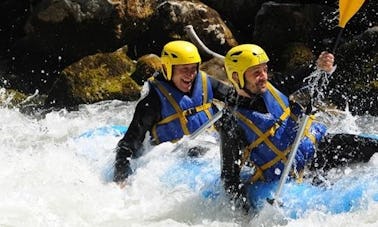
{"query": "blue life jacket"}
[(182, 114), (271, 135)]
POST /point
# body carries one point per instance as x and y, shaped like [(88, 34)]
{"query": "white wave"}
[(49, 176)]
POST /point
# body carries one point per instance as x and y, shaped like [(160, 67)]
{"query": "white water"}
[(51, 177)]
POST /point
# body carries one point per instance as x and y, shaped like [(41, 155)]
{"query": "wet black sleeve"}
[(227, 93), (147, 113), (221, 90), (232, 140)]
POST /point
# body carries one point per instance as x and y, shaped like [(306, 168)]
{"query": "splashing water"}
[(49, 176), (317, 82)]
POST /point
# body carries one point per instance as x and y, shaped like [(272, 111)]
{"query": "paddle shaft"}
[(297, 142), (337, 40), (201, 129)]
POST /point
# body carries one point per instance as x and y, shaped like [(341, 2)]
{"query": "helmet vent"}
[(236, 53), (174, 55), (254, 53)]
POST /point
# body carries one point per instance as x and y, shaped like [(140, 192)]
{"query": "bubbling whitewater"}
[(50, 176)]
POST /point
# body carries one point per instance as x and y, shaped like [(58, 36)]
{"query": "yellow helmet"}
[(177, 53), (238, 59)]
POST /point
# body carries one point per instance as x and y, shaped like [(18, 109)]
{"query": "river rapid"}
[(50, 175)]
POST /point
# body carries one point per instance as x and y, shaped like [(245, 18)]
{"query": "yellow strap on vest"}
[(205, 107), (155, 135), (204, 86), (298, 176), (177, 108), (282, 104), (205, 94), (307, 129), (293, 116), (258, 175), (276, 96), (182, 114), (262, 137)]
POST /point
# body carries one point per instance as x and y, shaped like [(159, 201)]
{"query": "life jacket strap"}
[(307, 132), (172, 101), (197, 109), (279, 100), (181, 114), (258, 175), (263, 137)]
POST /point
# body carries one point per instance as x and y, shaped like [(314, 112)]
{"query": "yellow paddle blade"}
[(347, 9)]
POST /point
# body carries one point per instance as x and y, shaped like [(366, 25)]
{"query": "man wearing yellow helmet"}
[(179, 101), (261, 133)]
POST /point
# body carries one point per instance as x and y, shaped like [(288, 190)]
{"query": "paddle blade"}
[(347, 9)]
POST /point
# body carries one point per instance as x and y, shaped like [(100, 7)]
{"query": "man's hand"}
[(325, 62), (122, 184), (122, 167)]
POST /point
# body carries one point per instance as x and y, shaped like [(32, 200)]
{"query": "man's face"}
[(256, 78), (183, 76)]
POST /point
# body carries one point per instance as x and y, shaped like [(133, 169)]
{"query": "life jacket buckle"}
[(190, 111)]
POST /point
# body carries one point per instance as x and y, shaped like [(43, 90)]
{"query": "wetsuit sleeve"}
[(147, 113), (232, 138), (227, 93), (221, 89)]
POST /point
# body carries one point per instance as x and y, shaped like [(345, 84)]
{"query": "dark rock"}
[(95, 78), (215, 68), (145, 68), (355, 81)]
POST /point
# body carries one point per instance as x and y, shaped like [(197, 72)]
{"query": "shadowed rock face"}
[(355, 81), (58, 33), (42, 39)]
